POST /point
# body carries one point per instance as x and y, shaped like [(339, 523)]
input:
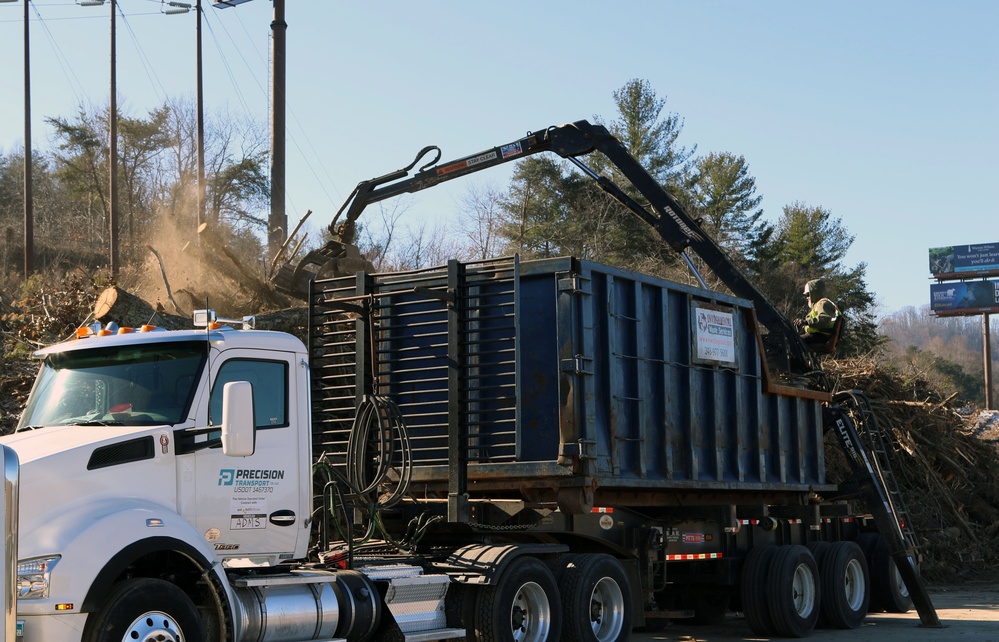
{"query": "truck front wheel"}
[(145, 609)]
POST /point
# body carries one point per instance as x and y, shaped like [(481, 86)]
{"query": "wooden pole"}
[(277, 223), (113, 153), (200, 93), (29, 214)]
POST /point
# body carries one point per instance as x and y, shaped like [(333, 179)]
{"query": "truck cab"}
[(121, 451)]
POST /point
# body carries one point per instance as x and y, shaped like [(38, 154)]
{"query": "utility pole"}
[(29, 213), (278, 221), (201, 121), (113, 153)]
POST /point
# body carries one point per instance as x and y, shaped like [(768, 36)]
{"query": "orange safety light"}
[(104, 333), (146, 327), (124, 330), (81, 333)]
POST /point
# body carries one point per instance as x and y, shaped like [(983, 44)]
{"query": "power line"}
[(294, 140), (154, 80), (228, 68), (64, 64)]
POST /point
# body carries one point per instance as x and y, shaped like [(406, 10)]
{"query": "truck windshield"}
[(137, 385)]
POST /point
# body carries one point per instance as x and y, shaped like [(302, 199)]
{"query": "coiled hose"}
[(372, 449)]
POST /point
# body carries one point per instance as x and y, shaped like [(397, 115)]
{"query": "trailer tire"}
[(793, 591), (845, 585), (140, 608), (523, 607), (596, 600), (818, 550), (888, 587), (754, 601)]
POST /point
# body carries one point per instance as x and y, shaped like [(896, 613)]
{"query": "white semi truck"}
[(501, 450)]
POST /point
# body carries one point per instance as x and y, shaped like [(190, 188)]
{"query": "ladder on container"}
[(856, 426)]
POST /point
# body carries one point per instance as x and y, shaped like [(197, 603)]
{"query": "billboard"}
[(965, 261), (964, 297)]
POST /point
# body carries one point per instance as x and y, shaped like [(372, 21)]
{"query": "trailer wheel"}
[(793, 591), (523, 607), (596, 599), (818, 550), (890, 591), (845, 585), (145, 609), (754, 602)]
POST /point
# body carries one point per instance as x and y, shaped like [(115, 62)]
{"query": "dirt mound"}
[(945, 458)]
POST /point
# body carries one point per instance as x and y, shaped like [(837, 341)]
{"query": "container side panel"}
[(564, 369), (539, 380)]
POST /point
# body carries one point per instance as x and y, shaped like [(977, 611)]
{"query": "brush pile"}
[(945, 457)]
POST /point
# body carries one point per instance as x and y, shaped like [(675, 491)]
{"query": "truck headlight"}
[(33, 577)]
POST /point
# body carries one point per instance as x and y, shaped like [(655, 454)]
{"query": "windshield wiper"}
[(95, 422), (23, 428)]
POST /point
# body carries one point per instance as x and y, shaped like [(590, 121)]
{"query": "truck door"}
[(253, 507)]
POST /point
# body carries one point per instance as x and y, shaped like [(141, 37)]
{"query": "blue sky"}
[(883, 112)]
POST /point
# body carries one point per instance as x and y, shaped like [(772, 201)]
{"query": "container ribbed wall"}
[(558, 373)]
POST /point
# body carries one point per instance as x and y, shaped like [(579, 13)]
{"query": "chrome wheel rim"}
[(530, 614), (803, 589), (154, 626), (606, 610), (854, 586)]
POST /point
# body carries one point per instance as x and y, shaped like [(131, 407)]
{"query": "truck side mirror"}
[(238, 425)]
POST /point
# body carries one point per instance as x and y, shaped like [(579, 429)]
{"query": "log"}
[(126, 309)]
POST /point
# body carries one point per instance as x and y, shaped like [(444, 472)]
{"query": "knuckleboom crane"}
[(849, 413), (570, 141)]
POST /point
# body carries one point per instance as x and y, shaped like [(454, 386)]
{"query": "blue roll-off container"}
[(561, 379)]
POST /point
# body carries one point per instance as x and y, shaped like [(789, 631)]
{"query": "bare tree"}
[(480, 220)]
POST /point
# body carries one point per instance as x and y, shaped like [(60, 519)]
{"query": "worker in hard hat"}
[(818, 325)]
